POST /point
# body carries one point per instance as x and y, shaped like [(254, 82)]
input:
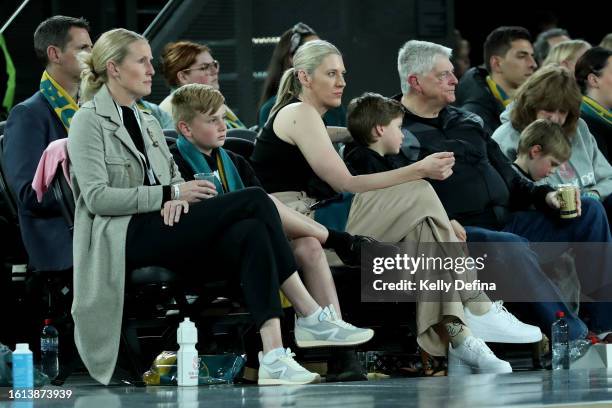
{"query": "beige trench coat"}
[(107, 177)]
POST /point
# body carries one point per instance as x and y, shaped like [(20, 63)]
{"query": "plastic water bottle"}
[(49, 350), (560, 343), (187, 362), (23, 367), (578, 348)]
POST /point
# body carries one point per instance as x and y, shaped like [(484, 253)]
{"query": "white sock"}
[(312, 318), (271, 355)]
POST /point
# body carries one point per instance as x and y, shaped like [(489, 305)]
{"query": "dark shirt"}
[(363, 160), (522, 172), (281, 166)]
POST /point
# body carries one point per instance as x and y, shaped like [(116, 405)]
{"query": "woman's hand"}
[(438, 166), (196, 190), (172, 211), (459, 230)]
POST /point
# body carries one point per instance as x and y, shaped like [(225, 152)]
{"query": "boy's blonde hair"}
[(549, 136), (191, 99)]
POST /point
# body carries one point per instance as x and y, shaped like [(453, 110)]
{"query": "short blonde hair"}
[(606, 42), (111, 46), (564, 51), (191, 99), (549, 136)]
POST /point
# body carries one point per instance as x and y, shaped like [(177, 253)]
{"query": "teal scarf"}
[(228, 174)]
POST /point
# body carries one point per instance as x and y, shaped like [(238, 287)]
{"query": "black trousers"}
[(236, 236)]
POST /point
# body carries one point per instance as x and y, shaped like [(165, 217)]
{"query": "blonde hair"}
[(549, 136), (191, 99), (565, 51), (112, 45), (606, 42), (307, 58)]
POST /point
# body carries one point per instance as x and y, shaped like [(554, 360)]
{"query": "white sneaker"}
[(498, 325), (279, 368), (473, 356), (330, 330)]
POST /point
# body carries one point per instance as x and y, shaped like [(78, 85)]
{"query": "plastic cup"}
[(205, 176)]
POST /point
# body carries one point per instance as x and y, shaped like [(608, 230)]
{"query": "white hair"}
[(418, 57)]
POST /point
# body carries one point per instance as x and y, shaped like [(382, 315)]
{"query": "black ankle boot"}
[(343, 366)]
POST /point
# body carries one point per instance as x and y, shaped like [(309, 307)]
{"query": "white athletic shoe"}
[(498, 325), (330, 330), (279, 368), (473, 356)]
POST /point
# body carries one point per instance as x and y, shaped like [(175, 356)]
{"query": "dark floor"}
[(585, 388)]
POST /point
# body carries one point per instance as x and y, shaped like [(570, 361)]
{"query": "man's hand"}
[(172, 211), (438, 166)]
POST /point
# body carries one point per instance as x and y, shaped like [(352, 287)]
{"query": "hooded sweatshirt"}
[(587, 167)]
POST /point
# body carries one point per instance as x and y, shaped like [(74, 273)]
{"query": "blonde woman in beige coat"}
[(133, 210)]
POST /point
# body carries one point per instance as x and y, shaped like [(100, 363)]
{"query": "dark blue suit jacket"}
[(30, 127)]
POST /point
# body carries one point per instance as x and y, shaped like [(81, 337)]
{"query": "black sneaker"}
[(351, 257)]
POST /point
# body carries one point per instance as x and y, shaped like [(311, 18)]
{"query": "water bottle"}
[(23, 367), (578, 348), (49, 349), (187, 362), (560, 343)]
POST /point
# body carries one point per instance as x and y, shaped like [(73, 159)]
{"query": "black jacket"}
[(362, 160), (31, 126), (242, 165), (483, 188), (473, 95)]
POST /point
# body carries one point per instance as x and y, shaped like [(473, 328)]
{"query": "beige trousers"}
[(406, 212)]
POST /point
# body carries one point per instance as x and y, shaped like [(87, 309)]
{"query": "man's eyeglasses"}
[(208, 67), (300, 30)]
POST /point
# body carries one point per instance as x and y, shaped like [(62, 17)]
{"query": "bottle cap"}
[(560, 314), (22, 346), (48, 322)]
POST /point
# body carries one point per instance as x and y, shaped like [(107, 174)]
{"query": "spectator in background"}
[(508, 57), (461, 55), (33, 124), (566, 53), (552, 93), (282, 59), (594, 77), (187, 62), (606, 42), (548, 39)]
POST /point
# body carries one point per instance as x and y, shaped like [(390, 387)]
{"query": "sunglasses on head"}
[(300, 30)]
